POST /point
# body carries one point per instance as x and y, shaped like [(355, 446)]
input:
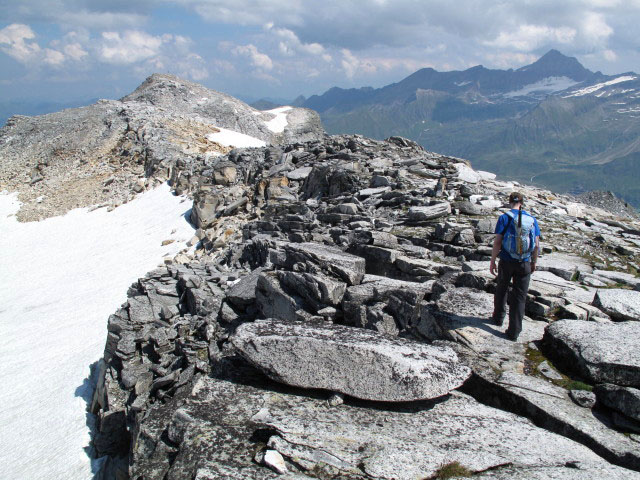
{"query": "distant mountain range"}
[(553, 123), (36, 107)]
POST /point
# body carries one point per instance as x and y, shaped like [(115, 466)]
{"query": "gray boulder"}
[(243, 293), (602, 352), (623, 399), (401, 299), (316, 289), (619, 277), (299, 173), (618, 303), (583, 398), (416, 442), (353, 361), (421, 214), (273, 301), (550, 406), (563, 265), (318, 258)]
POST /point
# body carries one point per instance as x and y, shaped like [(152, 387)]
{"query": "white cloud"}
[(130, 47), (530, 37), (75, 51), (595, 28), (258, 59), (192, 66), (72, 14), (53, 57), (15, 42), (101, 20), (352, 64), (147, 54), (290, 44), (224, 67), (346, 43), (510, 59), (250, 12)]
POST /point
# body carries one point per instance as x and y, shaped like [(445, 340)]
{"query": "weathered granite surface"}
[(605, 353), (619, 304), (320, 235), (353, 361)]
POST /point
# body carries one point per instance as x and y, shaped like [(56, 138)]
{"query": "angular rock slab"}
[(563, 265), (463, 316), (618, 303), (623, 399), (602, 352), (320, 258), (415, 441), (353, 361), (421, 214), (549, 405)]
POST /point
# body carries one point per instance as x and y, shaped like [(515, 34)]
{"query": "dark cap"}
[(516, 197)]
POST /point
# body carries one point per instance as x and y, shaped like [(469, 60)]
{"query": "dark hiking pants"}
[(520, 273)]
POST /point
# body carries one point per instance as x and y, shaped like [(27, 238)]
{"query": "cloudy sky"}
[(65, 50)]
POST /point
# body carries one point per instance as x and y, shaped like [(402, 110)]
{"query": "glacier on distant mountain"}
[(598, 86), (546, 85)]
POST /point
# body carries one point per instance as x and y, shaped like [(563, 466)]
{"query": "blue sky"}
[(66, 50)]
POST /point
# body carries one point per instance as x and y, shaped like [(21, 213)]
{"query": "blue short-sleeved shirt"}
[(501, 228)]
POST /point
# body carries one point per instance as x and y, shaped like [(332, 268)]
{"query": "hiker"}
[(517, 244)]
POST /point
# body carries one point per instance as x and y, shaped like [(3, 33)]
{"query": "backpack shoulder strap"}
[(511, 216)]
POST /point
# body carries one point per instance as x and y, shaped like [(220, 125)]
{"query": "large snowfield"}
[(60, 279)]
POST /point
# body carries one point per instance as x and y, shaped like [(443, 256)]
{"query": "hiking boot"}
[(511, 336), (496, 321)]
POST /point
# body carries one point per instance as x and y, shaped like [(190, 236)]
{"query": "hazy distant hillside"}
[(553, 122), (25, 107)]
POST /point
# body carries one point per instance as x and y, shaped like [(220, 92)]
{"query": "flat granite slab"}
[(354, 361)]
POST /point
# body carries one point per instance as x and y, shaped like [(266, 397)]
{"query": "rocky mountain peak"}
[(555, 64), (117, 148), (164, 89)]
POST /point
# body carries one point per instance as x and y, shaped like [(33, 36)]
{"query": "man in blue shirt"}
[(509, 268)]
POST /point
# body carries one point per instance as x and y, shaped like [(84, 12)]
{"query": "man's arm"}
[(497, 245), (534, 255)]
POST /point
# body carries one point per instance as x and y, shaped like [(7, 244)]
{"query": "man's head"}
[(516, 199)]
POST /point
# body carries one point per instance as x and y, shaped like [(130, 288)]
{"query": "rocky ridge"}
[(104, 154), (345, 233)]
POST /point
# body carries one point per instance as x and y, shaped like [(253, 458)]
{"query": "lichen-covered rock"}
[(626, 400), (618, 303), (602, 352), (421, 214), (322, 258), (353, 361), (417, 440)]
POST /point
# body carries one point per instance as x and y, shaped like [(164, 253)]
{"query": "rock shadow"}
[(187, 216), (236, 369), (452, 321), (86, 391)]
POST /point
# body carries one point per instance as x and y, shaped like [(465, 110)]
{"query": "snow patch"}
[(278, 124), (61, 279), (598, 86), (229, 138), (546, 85)]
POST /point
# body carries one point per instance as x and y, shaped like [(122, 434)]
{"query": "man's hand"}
[(497, 245), (533, 267)]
